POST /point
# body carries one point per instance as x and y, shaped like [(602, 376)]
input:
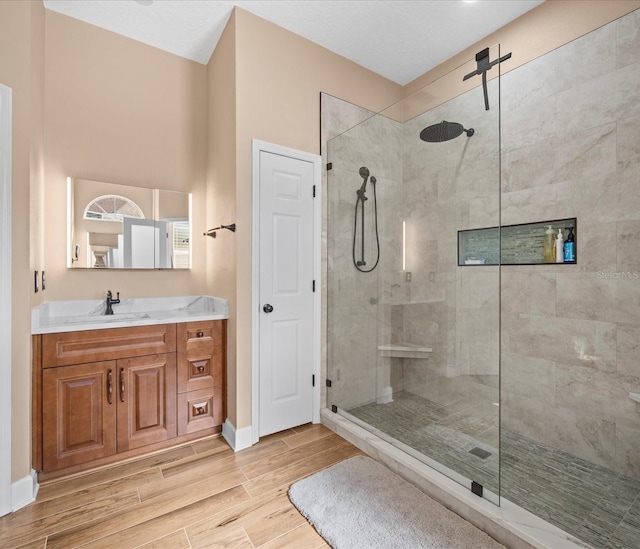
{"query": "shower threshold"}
[(506, 522)]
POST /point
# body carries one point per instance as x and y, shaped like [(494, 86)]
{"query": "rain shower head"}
[(444, 131)]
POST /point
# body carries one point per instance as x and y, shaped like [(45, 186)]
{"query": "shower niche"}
[(521, 244)]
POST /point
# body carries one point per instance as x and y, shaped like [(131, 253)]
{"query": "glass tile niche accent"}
[(521, 244)]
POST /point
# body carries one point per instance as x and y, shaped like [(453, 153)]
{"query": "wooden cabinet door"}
[(146, 394), (78, 414)]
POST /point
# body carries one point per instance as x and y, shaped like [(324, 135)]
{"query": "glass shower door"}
[(412, 322)]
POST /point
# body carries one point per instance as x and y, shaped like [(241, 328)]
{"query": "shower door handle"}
[(267, 308)]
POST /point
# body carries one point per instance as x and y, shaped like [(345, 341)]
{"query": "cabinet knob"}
[(200, 369), (200, 334), (200, 410)]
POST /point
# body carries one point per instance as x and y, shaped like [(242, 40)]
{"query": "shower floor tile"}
[(589, 501)]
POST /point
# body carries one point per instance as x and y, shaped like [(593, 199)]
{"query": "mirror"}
[(112, 226)]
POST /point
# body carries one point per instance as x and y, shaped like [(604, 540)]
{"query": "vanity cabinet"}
[(96, 410), (105, 395)]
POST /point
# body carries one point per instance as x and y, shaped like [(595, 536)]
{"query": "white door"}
[(5, 300), (140, 243), (286, 292)]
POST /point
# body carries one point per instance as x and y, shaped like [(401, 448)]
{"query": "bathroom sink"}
[(106, 318), (72, 316)]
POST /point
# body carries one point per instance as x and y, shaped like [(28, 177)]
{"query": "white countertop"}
[(74, 316)]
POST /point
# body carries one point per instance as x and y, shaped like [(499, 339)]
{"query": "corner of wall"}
[(24, 491), (238, 439)]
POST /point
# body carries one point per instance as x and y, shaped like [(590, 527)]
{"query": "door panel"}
[(285, 365), (286, 284), (146, 400), (78, 419)]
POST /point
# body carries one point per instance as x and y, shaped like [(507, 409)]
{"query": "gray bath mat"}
[(359, 503)]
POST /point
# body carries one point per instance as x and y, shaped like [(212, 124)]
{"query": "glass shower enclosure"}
[(413, 326)]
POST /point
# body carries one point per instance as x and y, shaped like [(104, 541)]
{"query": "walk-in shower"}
[(511, 378), (405, 356)]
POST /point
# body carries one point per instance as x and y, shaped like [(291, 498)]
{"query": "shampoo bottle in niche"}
[(570, 246), (559, 247), (548, 247)]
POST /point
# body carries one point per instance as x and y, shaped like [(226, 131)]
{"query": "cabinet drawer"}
[(199, 335), (199, 369), (68, 348), (199, 410)]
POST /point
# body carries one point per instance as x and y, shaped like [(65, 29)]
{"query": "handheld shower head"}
[(364, 172)]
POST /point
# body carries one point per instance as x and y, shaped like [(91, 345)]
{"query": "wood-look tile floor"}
[(195, 496)]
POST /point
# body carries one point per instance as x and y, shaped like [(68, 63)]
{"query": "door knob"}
[(267, 308)]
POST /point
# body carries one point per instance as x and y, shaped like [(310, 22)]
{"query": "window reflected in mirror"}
[(111, 226)]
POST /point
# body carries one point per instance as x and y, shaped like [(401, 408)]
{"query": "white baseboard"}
[(24, 491), (238, 439)]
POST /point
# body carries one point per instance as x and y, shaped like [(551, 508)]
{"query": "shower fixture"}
[(360, 203), (444, 131)]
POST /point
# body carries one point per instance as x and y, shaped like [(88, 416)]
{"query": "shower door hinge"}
[(328, 383), (476, 488), (313, 380), (313, 286), (314, 191), (329, 166)]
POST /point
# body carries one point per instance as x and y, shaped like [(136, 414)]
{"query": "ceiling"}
[(399, 39)]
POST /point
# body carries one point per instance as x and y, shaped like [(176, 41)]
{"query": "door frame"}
[(257, 147), (5, 300)]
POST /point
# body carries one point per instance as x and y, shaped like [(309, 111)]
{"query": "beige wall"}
[(279, 77), (21, 34), (221, 190), (119, 111)]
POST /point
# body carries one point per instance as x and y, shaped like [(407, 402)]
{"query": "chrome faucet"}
[(111, 301)]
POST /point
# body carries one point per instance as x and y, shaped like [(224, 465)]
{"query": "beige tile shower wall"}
[(359, 304), (451, 186), (571, 142), (337, 117)]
